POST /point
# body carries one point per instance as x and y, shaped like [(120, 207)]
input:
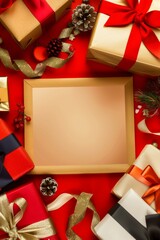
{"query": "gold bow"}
[(9, 220)]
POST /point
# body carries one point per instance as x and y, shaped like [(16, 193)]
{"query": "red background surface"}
[(99, 185)]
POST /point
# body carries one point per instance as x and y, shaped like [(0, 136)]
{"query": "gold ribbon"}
[(26, 69), (9, 220), (83, 202)]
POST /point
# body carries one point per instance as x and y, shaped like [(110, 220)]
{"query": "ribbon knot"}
[(139, 18), (150, 179), (143, 22), (13, 233), (153, 193), (9, 220)]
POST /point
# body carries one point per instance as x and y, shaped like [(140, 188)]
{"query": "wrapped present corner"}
[(131, 36), (131, 218), (14, 160), (143, 177), (23, 215), (25, 20), (4, 100)]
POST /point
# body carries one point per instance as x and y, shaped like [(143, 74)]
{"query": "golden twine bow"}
[(9, 220), (83, 202), (26, 69)]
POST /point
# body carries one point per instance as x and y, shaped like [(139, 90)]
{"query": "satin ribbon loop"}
[(83, 202), (143, 22), (153, 193), (150, 179), (9, 220)]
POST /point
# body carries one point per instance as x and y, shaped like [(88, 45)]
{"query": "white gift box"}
[(126, 220), (149, 156)]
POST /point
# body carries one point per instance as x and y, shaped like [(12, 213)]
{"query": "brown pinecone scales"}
[(54, 47), (48, 186), (83, 17)]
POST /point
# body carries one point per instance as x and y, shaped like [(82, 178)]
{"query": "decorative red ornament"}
[(40, 53)]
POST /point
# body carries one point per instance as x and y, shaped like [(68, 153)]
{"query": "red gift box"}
[(34, 213), (14, 160)]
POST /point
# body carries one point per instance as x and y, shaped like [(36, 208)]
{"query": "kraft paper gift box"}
[(14, 160), (122, 43), (25, 20), (129, 219), (4, 101), (33, 219), (143, 177)]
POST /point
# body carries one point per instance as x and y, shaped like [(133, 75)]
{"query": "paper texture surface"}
[(110, 48)]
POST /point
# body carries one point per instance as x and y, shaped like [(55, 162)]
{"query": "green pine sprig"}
[(149, 99)]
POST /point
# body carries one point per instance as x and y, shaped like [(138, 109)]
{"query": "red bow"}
[(135, 13)]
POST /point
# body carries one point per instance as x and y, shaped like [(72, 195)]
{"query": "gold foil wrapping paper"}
[(21, 23), (4, 100), (150, 155), (107, 44)]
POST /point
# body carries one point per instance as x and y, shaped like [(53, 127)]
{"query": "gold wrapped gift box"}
[(21, 23), (108, 44), (4, 101)]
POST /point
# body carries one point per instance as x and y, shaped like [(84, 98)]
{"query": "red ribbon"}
[(135, 13), (4, 5), (39, 8), (149, 178)]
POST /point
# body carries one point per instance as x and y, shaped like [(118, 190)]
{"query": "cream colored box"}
[(150, 156), (108, 44), (23, 25), (4, 100)]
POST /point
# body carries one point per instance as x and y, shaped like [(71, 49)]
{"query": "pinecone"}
[(54, 47), (48, 186), (83, 17)]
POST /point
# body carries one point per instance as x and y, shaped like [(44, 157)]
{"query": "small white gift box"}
[(126, 220)]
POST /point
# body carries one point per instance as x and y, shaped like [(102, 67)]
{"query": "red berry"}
[(16, 120), (71, 48), (22, 107), (28, 119), (21, 125), (17, 126), (20, 119)]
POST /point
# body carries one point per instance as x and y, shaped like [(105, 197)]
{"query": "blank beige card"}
[(80, 125)]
